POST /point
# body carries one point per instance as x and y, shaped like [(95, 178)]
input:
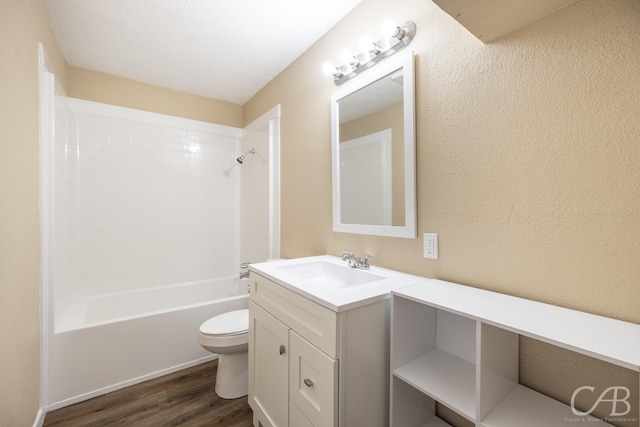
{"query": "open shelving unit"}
[(458, 346)]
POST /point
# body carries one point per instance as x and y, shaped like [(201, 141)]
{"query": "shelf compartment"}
[(444, 377), (528, 408), (412, 407), (498, 368), (434, 352)]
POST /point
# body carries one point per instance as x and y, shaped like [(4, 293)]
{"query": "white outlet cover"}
[(430, 242)]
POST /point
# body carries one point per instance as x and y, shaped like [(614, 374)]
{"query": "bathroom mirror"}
[(373, 151)]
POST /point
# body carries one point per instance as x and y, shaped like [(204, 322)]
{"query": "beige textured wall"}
[(23, 24), (527, 166), (109, 89), (527, 158), (527, 153)]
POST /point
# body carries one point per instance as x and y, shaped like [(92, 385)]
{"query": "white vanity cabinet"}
[(458, 345), (310, 366)]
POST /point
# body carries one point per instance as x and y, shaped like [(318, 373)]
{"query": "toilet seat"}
[(227, 324), (226, 333)]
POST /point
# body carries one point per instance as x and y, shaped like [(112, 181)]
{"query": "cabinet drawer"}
[(315, 323), (313, 380)]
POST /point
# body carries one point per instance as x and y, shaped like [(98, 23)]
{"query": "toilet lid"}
[(231, 323)]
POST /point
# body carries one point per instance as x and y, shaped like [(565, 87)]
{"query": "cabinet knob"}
[(308, 382), (281, 349)]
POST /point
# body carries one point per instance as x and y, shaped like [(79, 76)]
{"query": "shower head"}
[(241, 158)]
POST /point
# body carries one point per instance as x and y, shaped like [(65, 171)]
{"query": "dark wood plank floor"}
[(183, 398)]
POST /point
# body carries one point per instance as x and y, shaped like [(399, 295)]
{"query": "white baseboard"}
[(39, 422), (118, 386)]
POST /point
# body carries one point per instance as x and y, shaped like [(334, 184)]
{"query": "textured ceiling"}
[(222, 49)]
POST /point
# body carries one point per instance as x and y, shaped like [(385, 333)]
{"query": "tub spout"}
[(244, 270)]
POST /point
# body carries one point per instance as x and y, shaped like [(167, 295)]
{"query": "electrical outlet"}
[(430, 241)]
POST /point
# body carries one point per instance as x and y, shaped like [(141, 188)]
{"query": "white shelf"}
[(524, 407), (581, 332), (459, 346), (443, 377)]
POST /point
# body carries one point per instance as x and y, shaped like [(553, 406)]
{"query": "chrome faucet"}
[(354, 262), (244, 270)]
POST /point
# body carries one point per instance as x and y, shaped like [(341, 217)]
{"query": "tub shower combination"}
[(146, 243)]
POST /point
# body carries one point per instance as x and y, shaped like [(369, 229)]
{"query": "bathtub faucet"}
[(244, 270)]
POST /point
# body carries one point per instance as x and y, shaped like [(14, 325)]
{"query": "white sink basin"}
[(330, 275), (330, 282)]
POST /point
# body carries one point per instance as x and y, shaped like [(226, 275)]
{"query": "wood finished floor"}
[(183, 398)]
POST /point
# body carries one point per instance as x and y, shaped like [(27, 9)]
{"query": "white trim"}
[(272, 114), (272, 117), (46, 137), (83, 106), (274, 183), (409, 230), (39, 422)]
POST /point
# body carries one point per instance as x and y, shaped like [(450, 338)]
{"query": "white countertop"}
[(335, 298), (613, 341)]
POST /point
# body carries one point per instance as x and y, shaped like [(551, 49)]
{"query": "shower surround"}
[(146, 241)]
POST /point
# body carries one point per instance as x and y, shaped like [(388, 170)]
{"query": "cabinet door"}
[(297, 419), (268, 367), (313, 380)]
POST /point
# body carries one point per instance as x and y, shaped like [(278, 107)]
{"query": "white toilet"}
[(228, 336)]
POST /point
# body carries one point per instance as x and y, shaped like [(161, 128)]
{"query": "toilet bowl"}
[(228, 335)]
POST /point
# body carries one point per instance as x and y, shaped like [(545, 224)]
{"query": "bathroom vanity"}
[(319, 342)]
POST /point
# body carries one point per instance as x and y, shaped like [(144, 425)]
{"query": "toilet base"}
[(232, 379)]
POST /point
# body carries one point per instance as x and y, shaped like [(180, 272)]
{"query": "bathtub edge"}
[(124, 384)]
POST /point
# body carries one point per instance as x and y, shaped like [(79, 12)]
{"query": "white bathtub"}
[(104, 343)]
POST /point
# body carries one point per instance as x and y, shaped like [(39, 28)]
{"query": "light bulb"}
[(329, 69), (347, 57), (389, 28), (365, 44)]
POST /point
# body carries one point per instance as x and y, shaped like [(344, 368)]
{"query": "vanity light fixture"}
[(394, 39), (366, 45)]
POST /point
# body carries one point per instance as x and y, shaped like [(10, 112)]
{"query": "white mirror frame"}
[(405, 62)]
